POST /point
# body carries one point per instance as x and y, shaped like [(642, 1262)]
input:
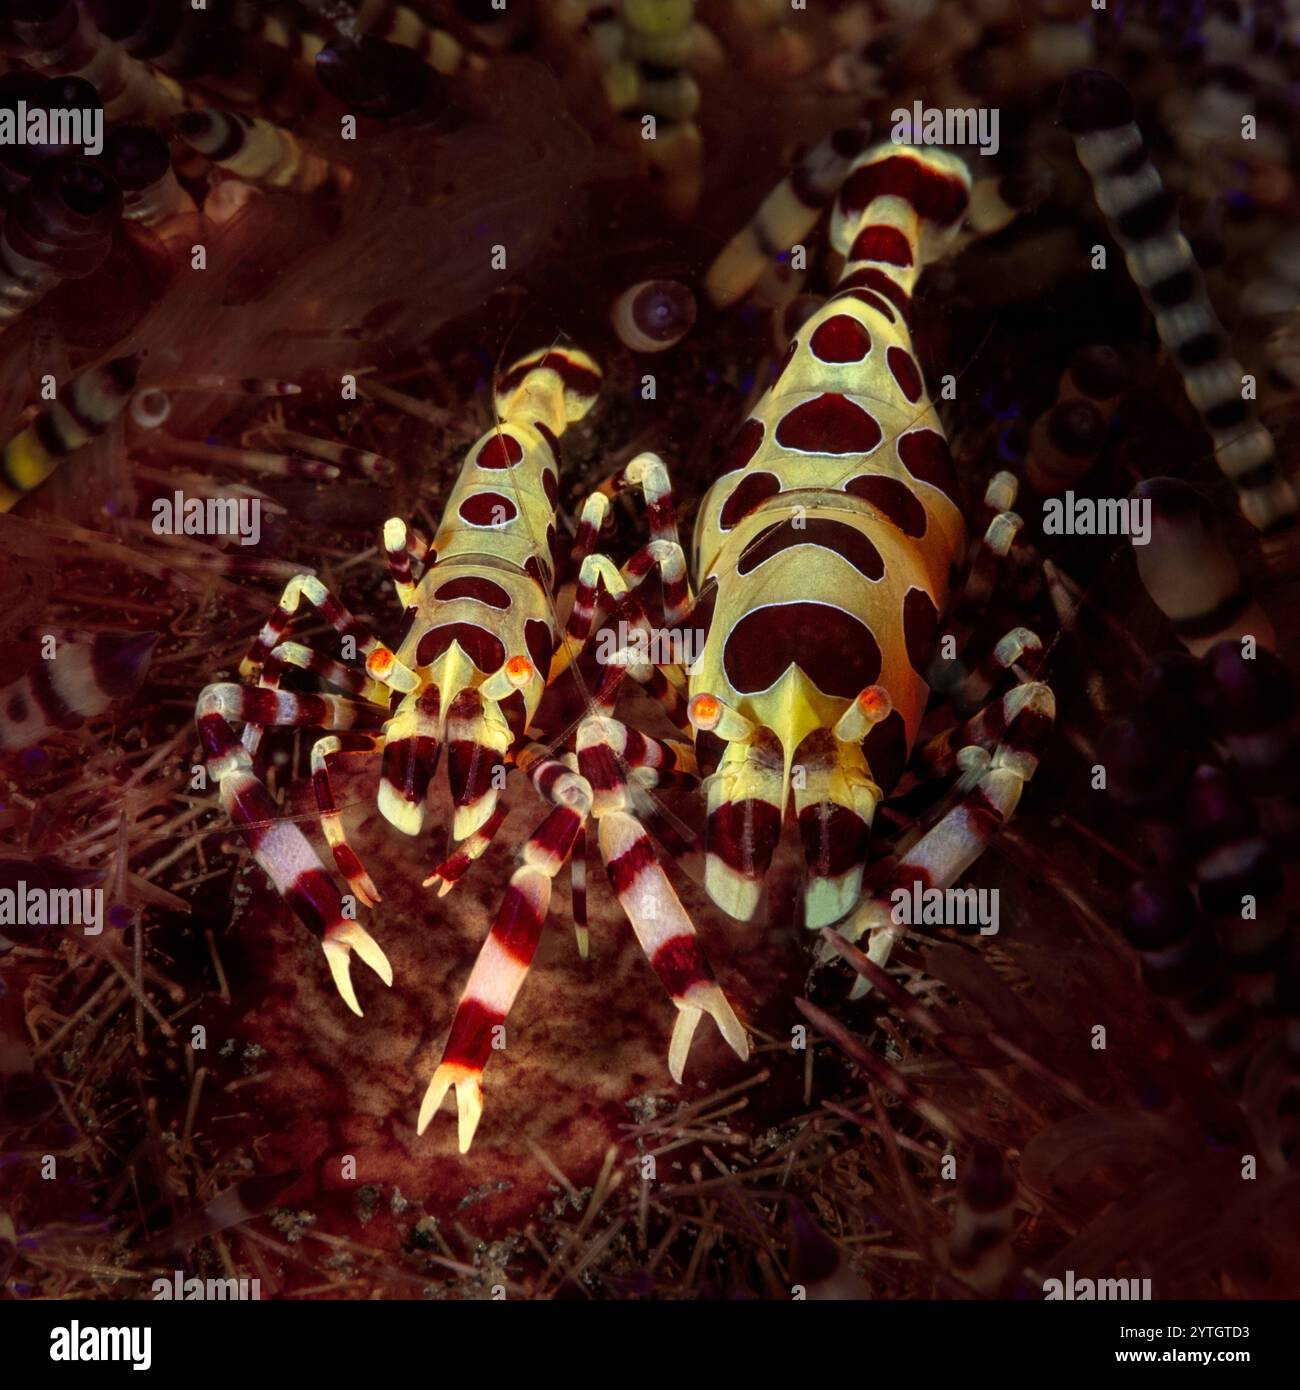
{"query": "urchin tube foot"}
[(666, 935), (278, 844)]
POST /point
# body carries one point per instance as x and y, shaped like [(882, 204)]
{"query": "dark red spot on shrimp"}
[(875, 280), (409, 764), (488, 509), (501, 451), (920, 623), (905, 373), (829, 424), (743, 834), (840, 339), (936, 196), (743, 447), (885, 749), (745, 496), (540, 643), (872, 300), (924, 453), (577, 379), (881, 243), (476, 587), (836, 536), (892, 499), (550, 485), (834, 838), (483, 648), (835, 650)]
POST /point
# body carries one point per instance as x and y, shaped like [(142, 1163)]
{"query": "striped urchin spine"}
[(81, 675), (259, 152), (787, 214), (1190, 572), (91, 403), (61, 37), (60, 227), (1144, 219)]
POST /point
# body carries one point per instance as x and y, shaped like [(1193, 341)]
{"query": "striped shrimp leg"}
[(452, 869), (91, 403), (357, 683), (787, 215), (662, 554), (283, 31), (86, 674), (403, 551), (665, 932), (987, 798), (1144, 220), (381, 664), (502, 964), (237, 57), (277, 843), (331, 821), (626, 643)]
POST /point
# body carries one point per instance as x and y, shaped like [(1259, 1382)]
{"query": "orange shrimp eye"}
[(706, 710), (379, 661), (875, 703), (519, 670)]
